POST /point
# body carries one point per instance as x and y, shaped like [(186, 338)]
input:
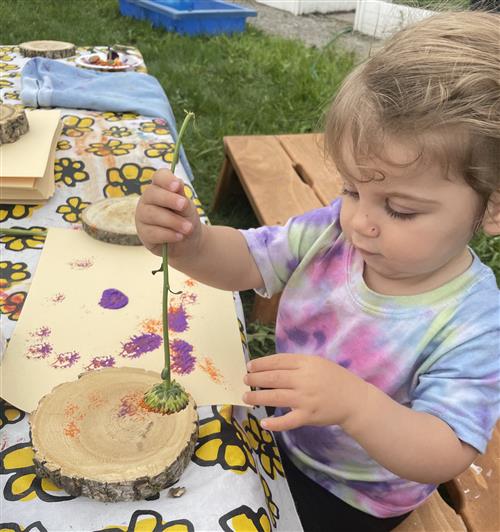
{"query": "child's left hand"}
[(318, 391)]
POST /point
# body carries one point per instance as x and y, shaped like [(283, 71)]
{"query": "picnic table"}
[(235, 480)]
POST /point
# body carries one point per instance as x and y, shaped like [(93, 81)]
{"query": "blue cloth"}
[(50, 83)]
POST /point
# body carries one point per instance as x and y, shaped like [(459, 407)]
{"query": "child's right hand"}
[(165, 215)]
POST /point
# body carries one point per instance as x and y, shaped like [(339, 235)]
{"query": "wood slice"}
[(95, 437), (112, 220), (13, 123), (51, 49)]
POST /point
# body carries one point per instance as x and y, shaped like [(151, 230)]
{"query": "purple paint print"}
[(101, 362), (181, 356), (131, 406), (140, 344), (66, 360), (41, 332), (41, 350), (177, 319), (113, 299), (81, 264)]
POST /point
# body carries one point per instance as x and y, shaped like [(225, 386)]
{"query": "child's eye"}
[(399, 215), (350, 193)]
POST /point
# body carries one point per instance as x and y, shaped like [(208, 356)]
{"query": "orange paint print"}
[(208, 366), (132, 406), (73, 411), (152, 326), (71, 429)]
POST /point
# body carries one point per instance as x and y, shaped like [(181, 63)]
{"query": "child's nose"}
[(364, 224)]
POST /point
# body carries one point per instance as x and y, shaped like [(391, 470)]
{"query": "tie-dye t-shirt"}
[(436, 352)]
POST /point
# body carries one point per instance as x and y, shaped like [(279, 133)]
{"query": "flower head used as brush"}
[(167, 396)]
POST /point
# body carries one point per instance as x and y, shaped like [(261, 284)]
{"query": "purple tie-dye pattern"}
[(138, 345), (113, 299), (183, 361), (320, 338), (297, 336), (421, 351)]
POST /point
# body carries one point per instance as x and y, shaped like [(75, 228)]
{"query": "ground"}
[(315, 29)]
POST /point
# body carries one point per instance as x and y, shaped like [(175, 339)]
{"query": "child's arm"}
[(413, 445), (217, 256)]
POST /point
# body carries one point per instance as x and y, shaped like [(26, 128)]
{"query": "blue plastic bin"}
[(191, 17)]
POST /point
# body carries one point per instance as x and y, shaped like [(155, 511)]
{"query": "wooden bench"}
[(282, 176), (286, 175)]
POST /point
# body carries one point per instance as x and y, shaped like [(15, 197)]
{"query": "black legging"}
[(320, 511)]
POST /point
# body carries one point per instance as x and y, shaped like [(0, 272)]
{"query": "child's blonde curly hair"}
[(437, 84)]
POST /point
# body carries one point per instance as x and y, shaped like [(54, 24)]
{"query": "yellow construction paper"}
[(28, 156), (67, 327)]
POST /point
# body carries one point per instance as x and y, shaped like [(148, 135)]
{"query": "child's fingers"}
[(154, 216), (291, 420), (155, 195), (280, 398), (273, 362), (152, 235), (165, 179), (272, 379)]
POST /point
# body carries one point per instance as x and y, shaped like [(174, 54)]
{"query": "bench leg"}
[(265, 310), (227, 183)]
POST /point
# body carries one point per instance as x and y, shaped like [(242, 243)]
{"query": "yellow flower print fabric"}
[(151, 521), (23, 484), (222, 441), (234, 481)]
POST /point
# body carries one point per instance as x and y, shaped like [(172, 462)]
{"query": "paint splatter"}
[(188, 298), (177, 319), (81, 264), (140, 344), (131, 405), (182, 359), (40, 350), (41, 332), (208, 366), (113, 299), (73, 411), (106, 361), (96, 399), (66, 360), (152, 326), (58, 298), (71, 429), (190, 282)]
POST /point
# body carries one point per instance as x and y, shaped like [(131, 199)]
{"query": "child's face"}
[(413, 226)]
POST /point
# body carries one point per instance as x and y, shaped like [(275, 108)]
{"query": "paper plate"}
[(129, 62)]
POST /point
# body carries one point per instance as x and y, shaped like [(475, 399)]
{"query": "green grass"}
[(437, 5), (248, 83)]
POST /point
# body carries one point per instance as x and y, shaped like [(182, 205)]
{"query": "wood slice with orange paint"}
[(95, 437)]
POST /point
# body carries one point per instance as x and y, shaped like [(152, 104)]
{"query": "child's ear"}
[(491, 219)]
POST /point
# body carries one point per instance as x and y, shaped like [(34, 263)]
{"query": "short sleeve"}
[(462, 387), (278, 250)]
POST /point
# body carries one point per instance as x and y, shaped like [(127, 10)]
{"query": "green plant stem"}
[(165, 374), (22, 232)]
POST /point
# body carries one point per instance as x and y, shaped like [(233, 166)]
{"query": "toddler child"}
[(386, 377)]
